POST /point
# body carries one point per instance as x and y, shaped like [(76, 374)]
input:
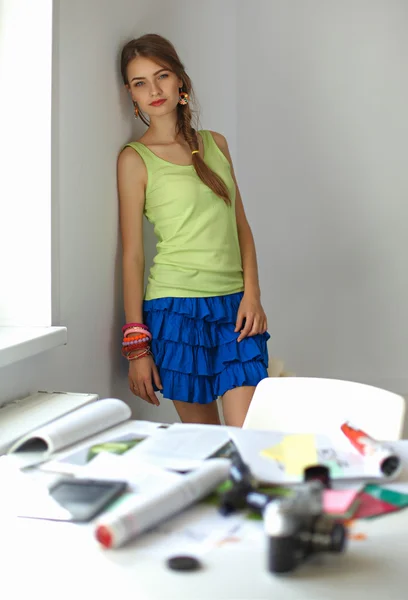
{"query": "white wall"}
[(322, 91), (92, 119)]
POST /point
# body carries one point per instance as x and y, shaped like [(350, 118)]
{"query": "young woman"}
[(199, 331)]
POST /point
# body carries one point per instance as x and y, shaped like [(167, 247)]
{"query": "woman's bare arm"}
[(251, 319), (132, 179)]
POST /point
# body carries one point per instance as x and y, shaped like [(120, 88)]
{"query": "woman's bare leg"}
[(197, 413), (235, 404)]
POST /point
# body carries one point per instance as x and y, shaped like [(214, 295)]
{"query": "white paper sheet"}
[(142, 478), (198, 531), (24, 495), (181, 446), (77, 456), (344, 464)]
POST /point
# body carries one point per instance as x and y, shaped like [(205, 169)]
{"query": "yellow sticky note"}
[(274, 453), (295, 452)]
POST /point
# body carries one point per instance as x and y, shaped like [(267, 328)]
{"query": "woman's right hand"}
[(142, 373)]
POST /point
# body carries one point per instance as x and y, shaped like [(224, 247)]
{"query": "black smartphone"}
[(84, 499)]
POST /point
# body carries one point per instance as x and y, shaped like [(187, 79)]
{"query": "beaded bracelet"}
[(136, 343), (139, 336)]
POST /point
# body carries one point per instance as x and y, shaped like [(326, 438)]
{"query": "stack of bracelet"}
[(136, 341)]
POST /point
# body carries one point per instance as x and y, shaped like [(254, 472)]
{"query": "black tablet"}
[(84, 499)]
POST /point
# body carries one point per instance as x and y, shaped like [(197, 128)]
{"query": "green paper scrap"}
[(334, 467), (392, 497)]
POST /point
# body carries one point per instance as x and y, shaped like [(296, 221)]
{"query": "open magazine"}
[(176, 446), (38, 445), (22, 416)]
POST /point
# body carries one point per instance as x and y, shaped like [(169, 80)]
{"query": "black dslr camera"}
[(296, 528), (295, 525)]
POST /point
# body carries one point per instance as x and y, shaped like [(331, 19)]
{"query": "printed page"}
[(74, 427), (69, 460), (182, 446), (142, 478)]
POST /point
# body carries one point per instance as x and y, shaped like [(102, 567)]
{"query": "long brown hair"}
[(163, 52)]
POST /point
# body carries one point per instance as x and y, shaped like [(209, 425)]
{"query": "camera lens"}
[(327, 536), (338, 538), (282, 554)]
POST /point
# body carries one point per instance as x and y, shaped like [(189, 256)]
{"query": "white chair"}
[(314, 405)]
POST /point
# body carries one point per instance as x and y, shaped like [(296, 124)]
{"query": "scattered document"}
[(71, 461), (181, 446), (281, 458), (26, 495), (142, 478), (198, 531)]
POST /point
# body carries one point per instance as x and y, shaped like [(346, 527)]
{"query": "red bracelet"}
[(128, 325), (127, 350), (146, 352)]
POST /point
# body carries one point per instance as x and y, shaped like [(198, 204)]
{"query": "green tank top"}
[(198, 253)]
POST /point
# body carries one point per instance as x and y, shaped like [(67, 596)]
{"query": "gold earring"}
[(184, 98), (136, 110)]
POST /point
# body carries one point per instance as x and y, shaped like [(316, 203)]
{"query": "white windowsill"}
[(17, 343)]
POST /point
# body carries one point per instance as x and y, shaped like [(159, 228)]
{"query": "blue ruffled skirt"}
[(195, 349)]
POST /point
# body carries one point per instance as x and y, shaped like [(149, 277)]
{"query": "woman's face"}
[(153, 87)]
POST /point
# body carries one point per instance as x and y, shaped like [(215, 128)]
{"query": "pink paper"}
[(338, 502)]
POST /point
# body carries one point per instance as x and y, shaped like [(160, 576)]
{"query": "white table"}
[(46, 560), (49, 560)]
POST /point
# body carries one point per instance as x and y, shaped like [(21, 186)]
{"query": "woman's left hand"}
[(254, 315)]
